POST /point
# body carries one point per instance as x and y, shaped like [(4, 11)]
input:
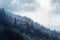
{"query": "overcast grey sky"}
[(45, 12)]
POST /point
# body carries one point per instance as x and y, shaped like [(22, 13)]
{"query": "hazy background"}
[(45, 12)]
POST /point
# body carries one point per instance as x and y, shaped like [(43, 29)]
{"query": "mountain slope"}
[(15, 27)]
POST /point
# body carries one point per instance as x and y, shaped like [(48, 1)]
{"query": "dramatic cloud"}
[(56, 5), (19, 5), (45, 12)]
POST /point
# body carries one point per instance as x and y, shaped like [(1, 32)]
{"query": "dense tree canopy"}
[(14, 27)]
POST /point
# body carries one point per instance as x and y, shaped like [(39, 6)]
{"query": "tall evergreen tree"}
[(15, 23), (2, 16)]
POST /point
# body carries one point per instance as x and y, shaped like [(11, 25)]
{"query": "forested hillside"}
[(15, 27)]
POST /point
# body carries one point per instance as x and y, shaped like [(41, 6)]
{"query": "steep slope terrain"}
[(15, 27)]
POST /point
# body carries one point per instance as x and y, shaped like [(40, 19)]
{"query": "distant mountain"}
[(15, 27)]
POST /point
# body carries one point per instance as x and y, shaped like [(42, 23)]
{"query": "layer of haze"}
[(45, 12)]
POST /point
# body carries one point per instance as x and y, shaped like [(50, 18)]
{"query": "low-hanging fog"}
[(45, 12)]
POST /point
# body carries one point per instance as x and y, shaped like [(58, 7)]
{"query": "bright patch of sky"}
[(45, 12)]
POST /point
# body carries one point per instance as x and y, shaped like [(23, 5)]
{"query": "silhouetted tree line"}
[(12, 29), (7, 32)]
